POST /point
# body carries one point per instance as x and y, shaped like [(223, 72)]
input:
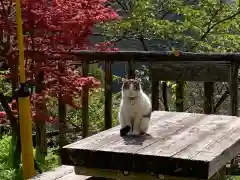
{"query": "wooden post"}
[(62, 114), (155, 93), (233, 86), (179, 96), (208, 97), (164, 95), (85, 120), (131, 72), (108, 94), (220, 175)]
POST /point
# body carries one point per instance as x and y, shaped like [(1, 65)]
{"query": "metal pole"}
[(24, 105)]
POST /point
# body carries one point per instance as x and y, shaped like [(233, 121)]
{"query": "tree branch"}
[(221, 100), (141, 38), (122, 5), (213, 26), (6, 108)]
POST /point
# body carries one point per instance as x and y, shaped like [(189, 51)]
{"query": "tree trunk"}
[(41, 139), (15, 153)]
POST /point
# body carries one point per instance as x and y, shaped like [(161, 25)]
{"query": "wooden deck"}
[(178, 144), (61, 173)]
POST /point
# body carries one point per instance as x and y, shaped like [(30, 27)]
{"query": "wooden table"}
[(178, 145)]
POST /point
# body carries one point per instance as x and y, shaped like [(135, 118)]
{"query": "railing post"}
[(155, 93), (179, 96), (131, 70), (62, 114), (208, 97), (85, 119), (233, 86), (108, 94), (164, 96)]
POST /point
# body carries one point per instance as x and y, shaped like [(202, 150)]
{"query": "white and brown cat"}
[(135, 108)]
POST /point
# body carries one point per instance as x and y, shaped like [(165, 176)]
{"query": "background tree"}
[(59, 26), (195, 26)]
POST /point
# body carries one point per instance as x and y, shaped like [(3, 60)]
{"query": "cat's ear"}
[(123, 80), (139, 80)]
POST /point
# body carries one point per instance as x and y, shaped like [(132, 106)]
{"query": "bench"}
[(178, 146)]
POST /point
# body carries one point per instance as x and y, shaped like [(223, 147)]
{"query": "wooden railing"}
[(164, 66)]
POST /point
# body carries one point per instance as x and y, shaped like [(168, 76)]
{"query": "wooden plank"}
[(74, 176), (107, 136), (194, 130), (61, 173), (214, 152), (129, 144), (218, 127), (172, 147), (212, 71)]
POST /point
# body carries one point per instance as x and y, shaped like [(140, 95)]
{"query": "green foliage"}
[(6, 172), (198, 26), (206, 25), (97, 72), (143, 74), (5, 86), (51, 160), (96, 111)]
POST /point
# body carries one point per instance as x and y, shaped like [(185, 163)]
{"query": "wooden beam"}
[(124, 175), (148, 56), (157, 56), (211, 71), (61, 173)]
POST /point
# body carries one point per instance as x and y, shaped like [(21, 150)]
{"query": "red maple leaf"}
[(55, 26)]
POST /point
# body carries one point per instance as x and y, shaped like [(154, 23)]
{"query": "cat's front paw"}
[(135, 133)]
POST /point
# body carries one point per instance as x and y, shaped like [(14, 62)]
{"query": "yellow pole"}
[(24, 105)]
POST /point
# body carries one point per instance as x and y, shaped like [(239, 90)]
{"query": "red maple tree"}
[(53, 26)]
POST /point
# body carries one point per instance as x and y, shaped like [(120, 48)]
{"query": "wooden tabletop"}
[(178, 144)]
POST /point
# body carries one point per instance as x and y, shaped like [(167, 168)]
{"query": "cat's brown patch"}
[(134, 82)]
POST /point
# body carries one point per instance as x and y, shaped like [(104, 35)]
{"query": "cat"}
[(135, 108)]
